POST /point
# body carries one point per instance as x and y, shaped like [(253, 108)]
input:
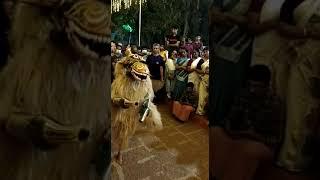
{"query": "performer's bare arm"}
[(122, 102)]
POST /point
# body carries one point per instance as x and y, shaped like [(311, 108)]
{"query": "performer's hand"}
[(126, 103), (43, 132), (46, 133)]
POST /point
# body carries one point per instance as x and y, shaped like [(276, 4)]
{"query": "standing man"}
[(197, 44), (173, 40), (113, 58), (113, 48), (156, 66), (134, 49), (119, 48)]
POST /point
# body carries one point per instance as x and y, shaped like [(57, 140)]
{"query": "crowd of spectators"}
[(179, 72)]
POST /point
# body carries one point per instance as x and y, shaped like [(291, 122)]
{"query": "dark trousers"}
[(160, 95)]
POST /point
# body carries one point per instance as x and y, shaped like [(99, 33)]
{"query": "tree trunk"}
[(198, 5), (186, 24)]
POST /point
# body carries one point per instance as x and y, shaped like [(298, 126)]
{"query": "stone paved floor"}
[(178, 152)]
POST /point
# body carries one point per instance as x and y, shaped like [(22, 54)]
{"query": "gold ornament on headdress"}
[(140, 67), (91, 16), (131, 59), (135, 62), (135, 56)]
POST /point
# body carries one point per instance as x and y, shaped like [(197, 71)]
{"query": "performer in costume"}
[(54, 92), (132, 95)]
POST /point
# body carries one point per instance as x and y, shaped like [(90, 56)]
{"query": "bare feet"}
[(119, 157)]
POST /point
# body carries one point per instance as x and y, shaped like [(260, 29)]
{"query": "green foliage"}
[(158, 16), (124, 17), (127, 28)]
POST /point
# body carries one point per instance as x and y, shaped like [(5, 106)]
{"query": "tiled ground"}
[(178, 152)]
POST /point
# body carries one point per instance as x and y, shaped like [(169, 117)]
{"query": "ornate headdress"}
[(135, 66)]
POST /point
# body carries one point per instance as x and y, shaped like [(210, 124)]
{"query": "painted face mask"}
[(87, 28)]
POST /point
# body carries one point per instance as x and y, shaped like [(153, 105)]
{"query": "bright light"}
[(116, 4)]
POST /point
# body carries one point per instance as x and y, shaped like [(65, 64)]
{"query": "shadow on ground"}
[(179, 151)]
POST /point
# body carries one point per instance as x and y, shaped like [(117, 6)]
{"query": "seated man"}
[(254, 127), (187, 104)]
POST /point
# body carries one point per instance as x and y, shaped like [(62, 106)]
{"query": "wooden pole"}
[(139, 23)]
